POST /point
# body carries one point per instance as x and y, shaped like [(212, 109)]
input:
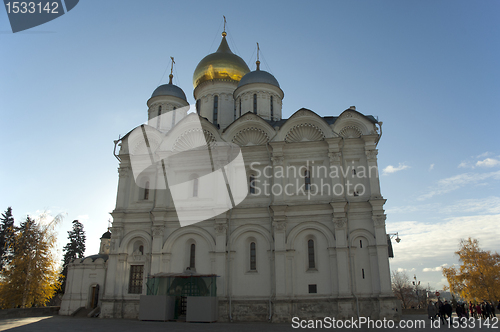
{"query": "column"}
[(279, 234)]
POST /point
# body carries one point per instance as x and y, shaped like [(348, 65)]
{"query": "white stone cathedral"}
[(309, 240)]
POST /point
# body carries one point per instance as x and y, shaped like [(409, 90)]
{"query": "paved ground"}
[(65, 324)]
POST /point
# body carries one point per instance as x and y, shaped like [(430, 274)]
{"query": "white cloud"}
[(488, 205), (465, 164), (485, 154), (413, 208), (455, 182), (434, 269), (431, 167), (431, 242), (488, 162), (82, 217), (391, 169)]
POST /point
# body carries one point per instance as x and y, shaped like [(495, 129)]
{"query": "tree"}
[(75, 248), (403, 289), (478, 276), (32, 277), (6, 236)]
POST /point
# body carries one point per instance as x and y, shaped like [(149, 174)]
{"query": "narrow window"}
[(240, 106), (307, 179), (310, 253), (272, 109), (313, 289), (198, 107), (141, 250), (253, 257), (192, 256), (216, 109), (255, 103), (173, 118), (235, 110), (158, 118), (195, 187), (252, 184), (363, 273), (146, 191), (135, 280), (360, 243)]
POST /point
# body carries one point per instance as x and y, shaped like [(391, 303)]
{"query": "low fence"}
[(28, 312)]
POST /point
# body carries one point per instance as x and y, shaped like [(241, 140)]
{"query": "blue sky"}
[(428, 69)]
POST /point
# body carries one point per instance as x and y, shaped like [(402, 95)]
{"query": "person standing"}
[(431, 311)]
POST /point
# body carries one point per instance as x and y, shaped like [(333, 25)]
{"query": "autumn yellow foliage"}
[(32, 278), (477, 278)]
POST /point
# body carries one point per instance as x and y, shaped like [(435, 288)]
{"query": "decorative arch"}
[(145, 236), (304, 123), (350, 132), (250, 136), (245, 123), (193, 138), (352, 124), (240, 231), (310, 225), (167, 246), (361, 233), (137, 144), (304, 132), (188, 134)]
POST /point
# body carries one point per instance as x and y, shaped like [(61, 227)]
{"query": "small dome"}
[(169, 90), (106, 235), (222, 64), (259, 76)]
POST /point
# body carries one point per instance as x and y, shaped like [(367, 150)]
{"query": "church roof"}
[(259, 76), (223, 64), (94, 257), (106, 235), (169, 90)]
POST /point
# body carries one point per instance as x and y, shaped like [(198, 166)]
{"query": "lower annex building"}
[(309, 240)]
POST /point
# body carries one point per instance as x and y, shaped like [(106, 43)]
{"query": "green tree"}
[(478, 276), (6, 237), (75, 248), (32, 277)]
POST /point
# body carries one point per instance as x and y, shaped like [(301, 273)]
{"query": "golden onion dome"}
[(223, 64)]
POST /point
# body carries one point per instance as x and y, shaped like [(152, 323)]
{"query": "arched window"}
[(272, 109), (310, 254), (253, 257), (216, 109), (192, 256), (159, 110), (252, 184), (198, 107), (146, 191), (195, 187), (141, 249), (307, 179), (255, 103)]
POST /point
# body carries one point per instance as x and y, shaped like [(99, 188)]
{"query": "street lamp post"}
[(416, 284)]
